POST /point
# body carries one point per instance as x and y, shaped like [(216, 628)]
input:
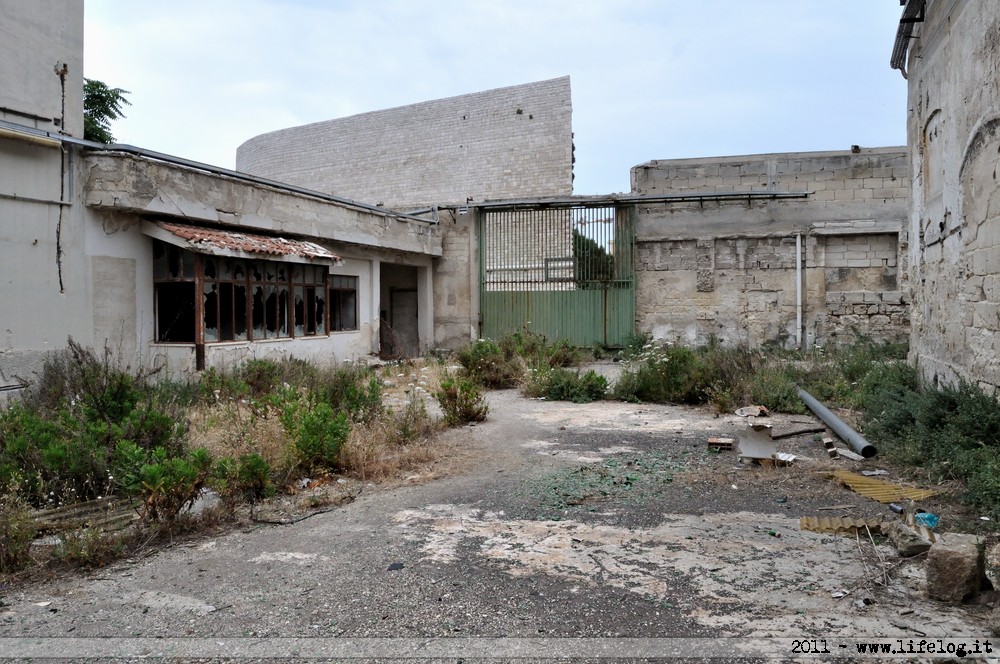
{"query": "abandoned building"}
[(950, 54), (414, 228)]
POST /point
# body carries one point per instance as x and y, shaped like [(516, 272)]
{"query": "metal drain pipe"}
[(853, 438)]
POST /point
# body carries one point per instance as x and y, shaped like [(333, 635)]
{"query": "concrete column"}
[(425, 308), (375, 300)]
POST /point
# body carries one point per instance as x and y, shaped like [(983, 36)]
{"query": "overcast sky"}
[(651, 79)]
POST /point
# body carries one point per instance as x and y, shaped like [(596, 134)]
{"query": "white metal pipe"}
[(798, 290)]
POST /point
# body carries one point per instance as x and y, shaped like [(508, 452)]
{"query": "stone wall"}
[(954, 131), (726, 269), (504, 143)]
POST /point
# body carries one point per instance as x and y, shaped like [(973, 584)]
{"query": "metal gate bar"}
[(566, 273)]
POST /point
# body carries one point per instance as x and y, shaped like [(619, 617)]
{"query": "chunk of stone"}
[(906, 540), (956, 568)]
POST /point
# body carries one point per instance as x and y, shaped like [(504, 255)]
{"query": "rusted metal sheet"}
[(880, 490)]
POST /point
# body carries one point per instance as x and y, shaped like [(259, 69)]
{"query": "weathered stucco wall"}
[(36, 39), (727, 269), (128, 183), (954, 131), (504, 143)]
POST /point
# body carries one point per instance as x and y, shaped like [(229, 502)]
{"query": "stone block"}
[(956, 568)]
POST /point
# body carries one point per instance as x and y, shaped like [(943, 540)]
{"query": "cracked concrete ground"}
[(558, 520)]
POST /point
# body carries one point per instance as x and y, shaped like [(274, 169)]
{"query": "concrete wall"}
[(37, 38), (504, 143), (727, 269), (954, 132)]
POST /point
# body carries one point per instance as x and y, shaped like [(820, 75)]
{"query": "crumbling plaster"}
[(726, 270), (954, 112), (129, 183)]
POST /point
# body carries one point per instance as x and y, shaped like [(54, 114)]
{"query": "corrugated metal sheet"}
[(880, 490), (838, 524), (213, 241)]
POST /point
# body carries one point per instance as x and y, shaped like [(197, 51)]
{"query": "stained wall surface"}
[(744, 270), (504, 143), (954, 131)]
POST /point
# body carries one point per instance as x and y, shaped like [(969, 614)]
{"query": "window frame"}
[(337, 286), (311, 278)]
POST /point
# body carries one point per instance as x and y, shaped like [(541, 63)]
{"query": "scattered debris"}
[(908, 541), (984, 518), (831, 447), (396, 566), (836, 507), (783, 458), (880, 490), (755, 443), (839, 524), (841, 592), (926, 519), (874, 473), (848, 454), (721, 444), (774, 533), (898, 509), (753, 411), (106, 513), (852, 437), (863, 602), (798, 432)]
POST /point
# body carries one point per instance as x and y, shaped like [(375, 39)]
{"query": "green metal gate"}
[(564, 272)]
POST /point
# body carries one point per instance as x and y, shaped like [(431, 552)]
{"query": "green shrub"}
[(261, 377), (664, 374), (317, 431), (167, 485), (486, 363), (17, 530), (247, 479), (559, 384), (462, 402)]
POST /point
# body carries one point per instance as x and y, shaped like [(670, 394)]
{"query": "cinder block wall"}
[(509, 142), (954, 131), (727, 269)]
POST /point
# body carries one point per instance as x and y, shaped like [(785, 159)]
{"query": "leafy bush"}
[(560, 384), (164, 484), (318, 432), (664, 374), (462, 402), (259, 376), (247, 479), (486, 363)]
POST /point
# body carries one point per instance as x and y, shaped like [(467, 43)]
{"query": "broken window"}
[(343, 303), (241, 300)]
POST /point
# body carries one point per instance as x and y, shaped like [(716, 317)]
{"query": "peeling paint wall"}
[(954, 131), (727, 269), (38, 38)]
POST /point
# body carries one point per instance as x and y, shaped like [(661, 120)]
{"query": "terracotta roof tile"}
[(208, 239)]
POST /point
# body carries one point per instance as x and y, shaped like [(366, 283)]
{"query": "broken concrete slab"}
[(956, 568), (755, 442)]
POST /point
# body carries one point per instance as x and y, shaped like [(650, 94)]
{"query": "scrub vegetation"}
[(941, 434), (93, 434)]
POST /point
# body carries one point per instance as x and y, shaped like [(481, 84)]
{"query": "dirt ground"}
[(547, 520)]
